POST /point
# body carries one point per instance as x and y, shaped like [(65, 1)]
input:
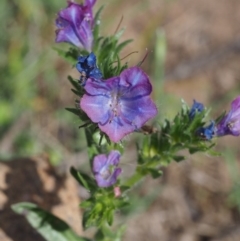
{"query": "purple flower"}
[(121, 104), (87, 67), (197, 107), (74, 24), (230, 123), (105, 168), (208, 132)]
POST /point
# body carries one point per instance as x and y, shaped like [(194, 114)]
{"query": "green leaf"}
[(74, 111), (49, 226), (77, 92), (86, 204), (178, 158), (109, 216), (85, 221), (219, 118), (74, 82), (70, 55), (193, 150), (83, 179), (96, 23), (122, 45), (155, 172), (104, 233), (119, 34)]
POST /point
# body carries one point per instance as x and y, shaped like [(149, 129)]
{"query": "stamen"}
[(145, 56), (106, 174), (230, 125), (134, 52), (118, 25)]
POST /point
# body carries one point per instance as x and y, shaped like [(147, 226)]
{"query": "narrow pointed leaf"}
[(74, 111), (74, 82), (83, 179), (122, 45), (49, 226)]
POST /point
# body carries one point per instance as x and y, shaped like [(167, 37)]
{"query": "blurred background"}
[(193, 53)]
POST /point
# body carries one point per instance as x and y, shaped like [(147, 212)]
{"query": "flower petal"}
[(114, 176), (104, 88), (116, 129), (234, 128), (235, 108), (85, 35), (68, 35), (110, 181), (96, 107), (73, 13), (136, 83), (197, 107), (113, 158), (230, 123), (99, 162), (75, 20), (90, 2), (138, 111), (91, 60)]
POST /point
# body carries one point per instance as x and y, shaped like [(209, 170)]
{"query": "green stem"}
[(133, 179), (139, 174)]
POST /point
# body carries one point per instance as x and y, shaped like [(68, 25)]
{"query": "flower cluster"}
[(207, 132), (197, 107), (121, 104), (87, 67), (228, 125), (74, 24)]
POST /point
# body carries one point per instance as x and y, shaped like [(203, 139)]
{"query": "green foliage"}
[(49, 226), (107, 52), (84, 179), (108, 49), (100, 207), (69, 55), (106, 234), (163, 146), (154, 151), (96, 26), (177, 135)]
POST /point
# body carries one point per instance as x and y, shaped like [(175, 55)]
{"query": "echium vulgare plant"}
[(114, 102)]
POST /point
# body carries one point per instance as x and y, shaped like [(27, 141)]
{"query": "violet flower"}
[(87, 67), (208, 132), (121, 104), (74, 24), (197, 107), (230, 123), (105, 168)]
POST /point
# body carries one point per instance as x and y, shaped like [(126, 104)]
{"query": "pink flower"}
[(230, 123), (105, 168), (121, 104), (74, 24)]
